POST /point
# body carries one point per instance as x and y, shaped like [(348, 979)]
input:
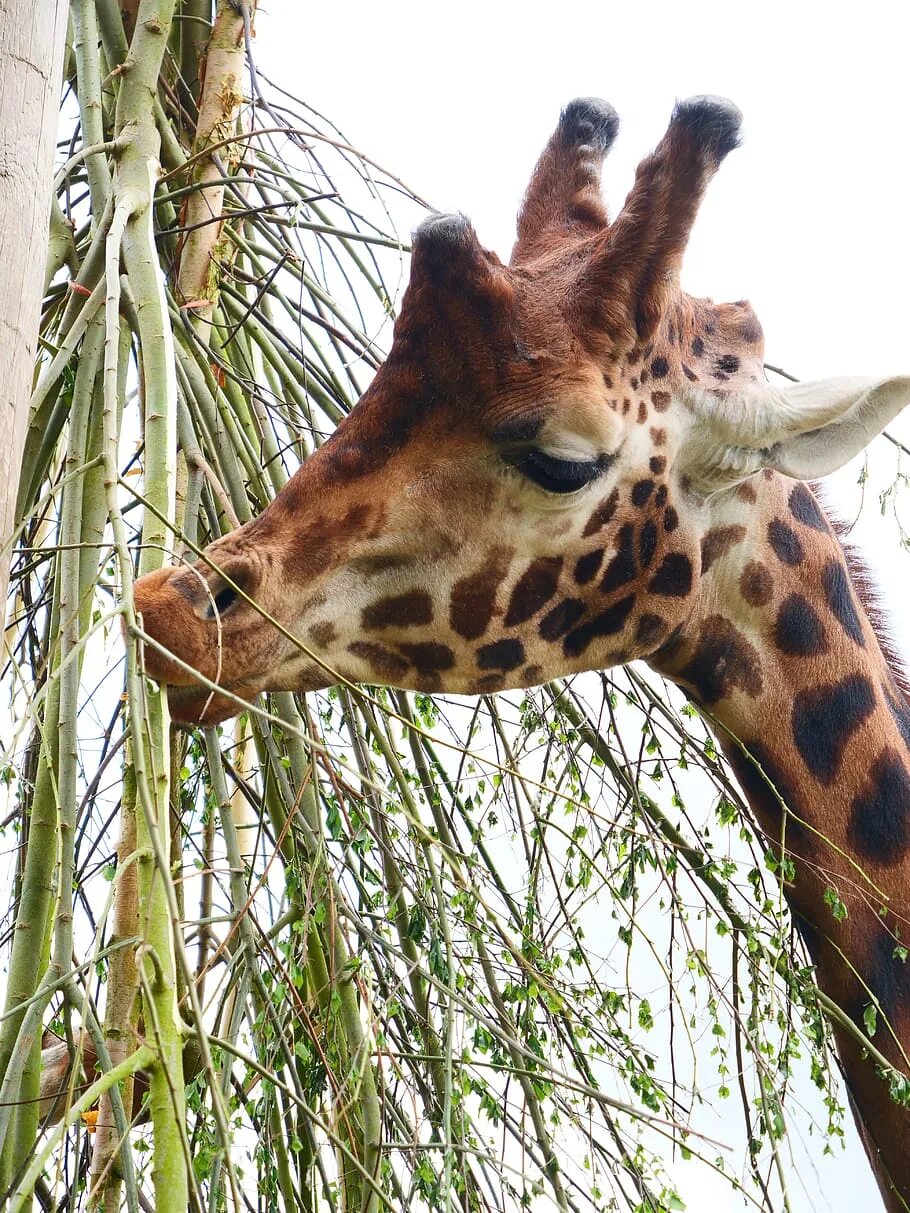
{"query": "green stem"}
[(52, 823), (88, 68), (134, 181)]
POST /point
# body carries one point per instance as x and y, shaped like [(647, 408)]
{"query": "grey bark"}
[(32, 36)]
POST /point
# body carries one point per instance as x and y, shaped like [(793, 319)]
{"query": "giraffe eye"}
[(557, 475)]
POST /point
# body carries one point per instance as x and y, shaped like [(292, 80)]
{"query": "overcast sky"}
[(809, 219)]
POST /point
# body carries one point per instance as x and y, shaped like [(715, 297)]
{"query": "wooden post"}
[(32, 36)]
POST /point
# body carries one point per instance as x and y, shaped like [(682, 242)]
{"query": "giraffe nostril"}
[(220, 603), (228, 589), (214, 593)]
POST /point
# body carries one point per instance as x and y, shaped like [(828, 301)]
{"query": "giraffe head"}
[(524, 489)]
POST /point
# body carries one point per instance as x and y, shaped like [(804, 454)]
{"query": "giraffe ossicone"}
[(567, 463)]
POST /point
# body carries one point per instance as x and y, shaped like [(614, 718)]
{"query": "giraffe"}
[(567, 463)]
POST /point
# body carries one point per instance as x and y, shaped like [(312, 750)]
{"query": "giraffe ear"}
[(805, 430)]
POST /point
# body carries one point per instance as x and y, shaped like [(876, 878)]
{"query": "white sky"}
[(809, 219)]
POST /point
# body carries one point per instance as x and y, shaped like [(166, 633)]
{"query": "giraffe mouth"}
[(194, 705), (191, 704)]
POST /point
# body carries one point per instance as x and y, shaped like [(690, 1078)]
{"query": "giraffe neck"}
[(783, 658)]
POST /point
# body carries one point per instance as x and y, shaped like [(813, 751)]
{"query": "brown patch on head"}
[(535, 587), (473, 598), (659, 369), (745, 492), (312, 602), (755, 584), (622, 568), (373, 433), (717, 541), (661, 401), (588, 565), (641, 491), (725, 366), (325, 540), (658, 435), (647, 543), (601, 515), (412, 609), (723, 661)]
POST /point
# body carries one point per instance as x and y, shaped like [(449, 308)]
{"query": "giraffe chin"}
[(198, 706)]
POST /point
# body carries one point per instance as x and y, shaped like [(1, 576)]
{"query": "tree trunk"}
[(32, 35)]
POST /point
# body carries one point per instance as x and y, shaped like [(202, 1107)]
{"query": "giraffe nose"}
[(193, 615), (215, 592)]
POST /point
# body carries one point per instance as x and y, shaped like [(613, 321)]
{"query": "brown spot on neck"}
[(718, 541), (722, 662), (755, 584)]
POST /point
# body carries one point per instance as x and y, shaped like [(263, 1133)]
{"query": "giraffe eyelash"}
[(557, 475)]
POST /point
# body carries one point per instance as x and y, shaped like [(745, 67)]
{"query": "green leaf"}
[(833, 901), (870, 1018)]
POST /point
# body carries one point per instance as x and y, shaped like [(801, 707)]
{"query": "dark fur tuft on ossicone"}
[(713, 121), (590, 120)]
